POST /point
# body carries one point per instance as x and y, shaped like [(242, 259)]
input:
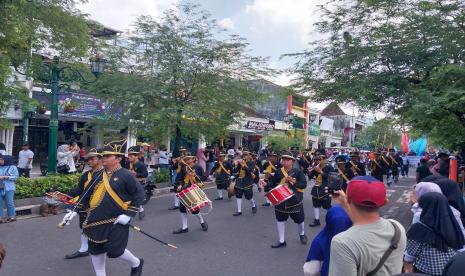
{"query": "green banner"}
[(298, 123), (314, 129)]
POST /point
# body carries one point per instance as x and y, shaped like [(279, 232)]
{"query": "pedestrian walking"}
[(405, 166), (8, 175), (25, 157)]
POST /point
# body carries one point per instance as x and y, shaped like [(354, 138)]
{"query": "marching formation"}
[(111, 193)]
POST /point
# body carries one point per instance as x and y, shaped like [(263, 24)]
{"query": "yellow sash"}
[(394, 160), (286, 175), (385, 161), (223, 168), (271, 168), (343, 175), (113, 194), (376, 164), (354, 166)]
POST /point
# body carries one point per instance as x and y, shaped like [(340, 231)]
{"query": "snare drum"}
[(279, 194), (193, 198)]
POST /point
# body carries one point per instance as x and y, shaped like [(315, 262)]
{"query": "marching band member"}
[(257, 169), (357, 167), (320, 198), (222, 171), (293, 207), (270, 167), (115, 199), (344, 171), (188, 175), (175, 169), (87, 181), (377, 167), (138, 169), (244, 169)]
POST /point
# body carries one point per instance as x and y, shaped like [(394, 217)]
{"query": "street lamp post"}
[(97, 67)]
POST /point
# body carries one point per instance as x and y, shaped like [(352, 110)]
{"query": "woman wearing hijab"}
[(451, 190), (317, 263), (65, 157), (428, 187), (433, 240), (8, 175)]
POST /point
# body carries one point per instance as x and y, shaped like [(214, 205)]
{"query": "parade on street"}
[(246, 137)]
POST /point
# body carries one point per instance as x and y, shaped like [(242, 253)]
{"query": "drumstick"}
[(150, 236)]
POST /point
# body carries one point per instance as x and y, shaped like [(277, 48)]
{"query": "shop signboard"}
[(260, 125)]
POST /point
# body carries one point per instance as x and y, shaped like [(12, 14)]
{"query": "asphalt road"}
[(232, 246)]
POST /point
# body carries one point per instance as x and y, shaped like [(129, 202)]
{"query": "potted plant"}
[(70, 107), (41, 109)]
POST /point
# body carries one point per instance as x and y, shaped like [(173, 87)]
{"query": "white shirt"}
[(24, 156), (3, 152), (163, 159)]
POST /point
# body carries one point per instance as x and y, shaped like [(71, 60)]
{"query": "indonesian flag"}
[(404, 141)]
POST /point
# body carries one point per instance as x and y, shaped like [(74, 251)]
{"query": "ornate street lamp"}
[(97, 66), (312, 117)]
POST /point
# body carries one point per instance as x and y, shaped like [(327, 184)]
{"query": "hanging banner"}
[(260, 125)]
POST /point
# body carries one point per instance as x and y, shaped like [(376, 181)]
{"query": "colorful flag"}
[(405, 141)]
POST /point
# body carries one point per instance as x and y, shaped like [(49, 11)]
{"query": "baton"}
[(150, 236)]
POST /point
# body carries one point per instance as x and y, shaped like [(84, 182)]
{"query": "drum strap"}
[(223, 168), (343, 175), (286, 175), (113, 194)]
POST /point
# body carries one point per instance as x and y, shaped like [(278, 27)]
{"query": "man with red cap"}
[(373, 245)]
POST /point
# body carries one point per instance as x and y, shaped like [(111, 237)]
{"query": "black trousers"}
[(247, 192), (296, 213), (24, 172), (116, 243)]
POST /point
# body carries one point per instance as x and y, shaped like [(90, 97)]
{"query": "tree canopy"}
[(174, 75), (403, 57), (39, 26)]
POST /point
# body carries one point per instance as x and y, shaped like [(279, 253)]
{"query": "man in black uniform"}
[(358, 169), (189, 174), (222, 172), (395, 162), (86, 183), (377, 167), (139, 170), (115, 199), (257, 169), (244, 170), (320, 197), (293, 207), (269, 169), (344, 170), (304, 160)]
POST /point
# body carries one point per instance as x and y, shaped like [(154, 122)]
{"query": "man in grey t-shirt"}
[(357, 251)]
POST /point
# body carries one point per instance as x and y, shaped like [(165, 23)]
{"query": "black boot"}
[(315, 223), (141, 215), (237, 214), (137, 271), (204, 226), (219, 198), (279, 244), (180, 231), (254, 210), (266, 204), (77, 254), (173, 208), (303, 239)]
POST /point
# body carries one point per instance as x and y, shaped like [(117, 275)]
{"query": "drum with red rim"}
[(279, 194), (193, 198)]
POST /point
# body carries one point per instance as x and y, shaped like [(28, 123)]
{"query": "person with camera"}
[(294, 179)]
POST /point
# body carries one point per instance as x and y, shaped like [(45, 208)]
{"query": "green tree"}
[(403, 57), (38, 26), (174, 75), (379, 135)]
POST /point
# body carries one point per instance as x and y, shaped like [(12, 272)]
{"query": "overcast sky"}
[(272, 27)]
